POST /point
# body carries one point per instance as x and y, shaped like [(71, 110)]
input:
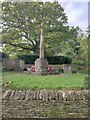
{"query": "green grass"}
[(21, 80)]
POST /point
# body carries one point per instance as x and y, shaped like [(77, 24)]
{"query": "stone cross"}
[(41, 64), (42, 41)]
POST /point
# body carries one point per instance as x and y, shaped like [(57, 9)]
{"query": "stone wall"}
[(20, 65), (73, 66), (13, 64), (45, 104)]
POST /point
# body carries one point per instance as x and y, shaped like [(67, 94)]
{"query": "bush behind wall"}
[(30, 59)]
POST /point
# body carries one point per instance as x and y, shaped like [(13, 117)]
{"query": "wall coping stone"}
[(46, 95)]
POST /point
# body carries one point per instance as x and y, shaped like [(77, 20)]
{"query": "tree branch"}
[(18, 45)]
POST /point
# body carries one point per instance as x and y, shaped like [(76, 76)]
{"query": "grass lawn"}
[(20, 80)]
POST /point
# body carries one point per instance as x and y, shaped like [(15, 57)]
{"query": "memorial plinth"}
[(41, 66)]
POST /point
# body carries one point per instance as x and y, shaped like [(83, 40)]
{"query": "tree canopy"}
[(21, 26), (21, 30)]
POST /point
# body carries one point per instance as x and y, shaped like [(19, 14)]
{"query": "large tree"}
[(21, 27)]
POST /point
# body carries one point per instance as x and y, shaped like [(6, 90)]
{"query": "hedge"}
[(30, 59), (3, 56)]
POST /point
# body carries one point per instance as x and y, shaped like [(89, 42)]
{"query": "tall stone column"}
[(41, 64), (42, 41)]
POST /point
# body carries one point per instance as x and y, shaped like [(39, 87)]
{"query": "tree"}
[(79, 50), (76, 46), (21, 27)]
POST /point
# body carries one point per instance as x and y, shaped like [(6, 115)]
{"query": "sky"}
[(76, 11)]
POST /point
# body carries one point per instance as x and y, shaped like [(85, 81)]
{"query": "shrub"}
[(30, 59), (61, 70), (25, 69), (74, 71), (4, 69)]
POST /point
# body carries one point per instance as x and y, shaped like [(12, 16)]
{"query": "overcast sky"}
[(77, 13)]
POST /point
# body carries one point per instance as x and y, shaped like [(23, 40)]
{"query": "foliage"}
[(59, 60), (3, 55), (77, 47), (21, 26), (21, 31), (30, 59)]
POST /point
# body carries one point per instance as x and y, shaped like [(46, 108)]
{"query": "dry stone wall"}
[(11, 64), (45, 104)]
